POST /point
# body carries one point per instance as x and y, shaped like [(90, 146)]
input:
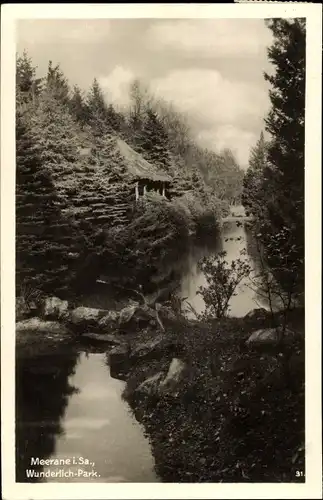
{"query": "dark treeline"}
[(274, 183), (72, 189)]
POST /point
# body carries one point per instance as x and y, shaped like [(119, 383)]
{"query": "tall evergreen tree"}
[(154, 141), (97, 109), (77, 106), (57, 84), (28, 87), (282, 212), (38, 216)]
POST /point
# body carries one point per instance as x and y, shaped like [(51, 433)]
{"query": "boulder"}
[(134, 316), (263, 336), (150, 386), (54, 308), (259, 313), (109, 321), (126, 315), (267, 336), (41, 326), (151, 349), (84, 317), (118, 359), (174, 376)]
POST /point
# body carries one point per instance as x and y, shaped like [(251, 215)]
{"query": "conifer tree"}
[(28, 87), (57, 84), (283, 207), (154, 141), (77, 106), (97, 109), (39, 256)]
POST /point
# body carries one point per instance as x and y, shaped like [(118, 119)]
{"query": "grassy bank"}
[(239, 412)]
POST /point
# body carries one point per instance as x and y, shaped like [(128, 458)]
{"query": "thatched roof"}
[(139, 167)]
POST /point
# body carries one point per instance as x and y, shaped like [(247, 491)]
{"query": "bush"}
[(222, 279)]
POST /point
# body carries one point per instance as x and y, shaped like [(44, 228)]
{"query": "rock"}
[(150, 385), (41, 326), (54, 308), (84, 317), (260, 313), (102, 338), (151, 349), (167, 313), (126, 314), (174, 376), (263, 336), (267, 336), (22, 309), (118, 359), (109, 321), (131, 317)]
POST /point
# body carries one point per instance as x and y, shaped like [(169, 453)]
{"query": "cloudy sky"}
[(211, 69)]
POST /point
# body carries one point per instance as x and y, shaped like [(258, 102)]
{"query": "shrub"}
[(222, 281)]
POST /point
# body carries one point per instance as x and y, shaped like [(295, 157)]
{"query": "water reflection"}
[(68, 407), (42, 393), (235, 238)]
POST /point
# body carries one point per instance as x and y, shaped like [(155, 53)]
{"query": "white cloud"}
[(240, 141), (223, 113), (205, 93), (211, 37), (116, 85)]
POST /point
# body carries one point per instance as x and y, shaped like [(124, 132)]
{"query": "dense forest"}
[(74, 213)]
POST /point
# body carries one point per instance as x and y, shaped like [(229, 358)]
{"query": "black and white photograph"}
[(160, 253)]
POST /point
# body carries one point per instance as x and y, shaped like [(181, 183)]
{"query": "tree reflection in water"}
[(42, 394)]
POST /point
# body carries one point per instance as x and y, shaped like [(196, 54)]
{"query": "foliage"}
[(41, 260), (56, 84), (153, 142), (222, 281), (139, 252), (77, 106), (274, 190), (253, 179), (28, 87)]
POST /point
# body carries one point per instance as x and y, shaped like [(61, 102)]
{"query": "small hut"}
[(144, 175)]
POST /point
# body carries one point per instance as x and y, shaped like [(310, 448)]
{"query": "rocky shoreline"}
[(206, 393)]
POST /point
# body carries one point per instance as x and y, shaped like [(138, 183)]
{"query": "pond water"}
[(233, 239), (71, 409)]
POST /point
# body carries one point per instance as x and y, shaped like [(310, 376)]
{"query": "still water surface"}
[(94, 427), (234, 239)]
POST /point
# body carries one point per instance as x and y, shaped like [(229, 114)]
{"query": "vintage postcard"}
[(161, 250)]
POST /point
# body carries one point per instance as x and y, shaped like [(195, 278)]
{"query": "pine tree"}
[(282, 214), (39, 255), (28, 87), (154, 142), (97, 110), (57, 84), (47, 143), (77, 106)]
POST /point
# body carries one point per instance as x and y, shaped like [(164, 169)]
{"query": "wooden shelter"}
[(145, 175)]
